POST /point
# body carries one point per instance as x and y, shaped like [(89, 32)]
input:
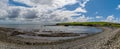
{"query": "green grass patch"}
[(108, 24)]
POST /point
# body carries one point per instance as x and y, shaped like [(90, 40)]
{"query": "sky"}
[(50, 11)]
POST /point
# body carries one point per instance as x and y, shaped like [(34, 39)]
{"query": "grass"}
[(108, 24)]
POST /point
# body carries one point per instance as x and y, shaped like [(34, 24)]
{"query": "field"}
[(108, 24)]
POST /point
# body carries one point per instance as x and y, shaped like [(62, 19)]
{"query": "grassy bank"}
[(90, 24)]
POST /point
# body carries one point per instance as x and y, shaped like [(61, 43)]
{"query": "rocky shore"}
[(16, 36), (105, 40)]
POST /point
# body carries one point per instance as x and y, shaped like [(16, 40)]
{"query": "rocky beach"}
[(108, 39)]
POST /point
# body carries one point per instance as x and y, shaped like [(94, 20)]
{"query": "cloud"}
[(98, 17), (47, 3), (42, 11), (79, 9), (84, 3), (3, 12), (118, 7), (83, 18), (112, 18)]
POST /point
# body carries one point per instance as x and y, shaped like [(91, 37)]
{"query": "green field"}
[(108, 24)]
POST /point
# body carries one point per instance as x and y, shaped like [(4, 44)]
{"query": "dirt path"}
[(93, 42)]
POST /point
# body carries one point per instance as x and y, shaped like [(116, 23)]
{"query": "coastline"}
[(92, 42), (7, 35)]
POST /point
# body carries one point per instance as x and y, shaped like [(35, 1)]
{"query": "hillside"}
[(108, 24)]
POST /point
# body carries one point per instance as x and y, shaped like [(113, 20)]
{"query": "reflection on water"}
[(80, 30), (74, 29)]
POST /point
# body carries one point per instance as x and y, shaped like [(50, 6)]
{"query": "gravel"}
[(97, 41)]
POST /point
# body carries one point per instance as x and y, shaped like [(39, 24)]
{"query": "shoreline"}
[(10, 38), (78, 43)]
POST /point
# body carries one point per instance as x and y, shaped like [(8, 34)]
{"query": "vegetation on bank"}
[(90, 24)]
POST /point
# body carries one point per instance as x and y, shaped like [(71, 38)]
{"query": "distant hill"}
[(89, 24)]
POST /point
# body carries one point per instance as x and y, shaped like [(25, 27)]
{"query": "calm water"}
[(74, 29)]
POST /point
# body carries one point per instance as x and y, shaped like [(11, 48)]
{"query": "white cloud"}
[(61, 3), (118, 7), (3, 4), (112, 18), (83, 18), (42, 11), (79, 9), (98, 17), (3, 13), (83, 4), (48, 3)]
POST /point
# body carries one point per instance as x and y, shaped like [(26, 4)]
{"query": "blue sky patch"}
[(14, 3), (103, 7), (71, 7)]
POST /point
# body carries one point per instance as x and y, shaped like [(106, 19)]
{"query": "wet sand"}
[(97, 41)]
